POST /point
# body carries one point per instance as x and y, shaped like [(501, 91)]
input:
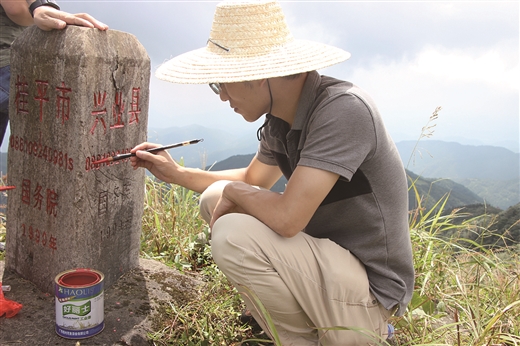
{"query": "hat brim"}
[(202, 66)]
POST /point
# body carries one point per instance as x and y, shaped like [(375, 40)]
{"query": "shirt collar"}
[(307, 98)]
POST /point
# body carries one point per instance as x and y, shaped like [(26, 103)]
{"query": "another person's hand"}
[(160, 164), (48, 18)]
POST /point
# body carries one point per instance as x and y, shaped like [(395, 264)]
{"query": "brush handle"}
[(155, 150)]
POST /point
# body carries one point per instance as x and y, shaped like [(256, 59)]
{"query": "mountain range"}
[(432, 190), (490, 174), (493, 173)]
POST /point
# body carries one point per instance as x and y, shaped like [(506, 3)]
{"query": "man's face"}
[(249, 99)]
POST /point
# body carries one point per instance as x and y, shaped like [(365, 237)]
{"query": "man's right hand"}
[(160, 164)]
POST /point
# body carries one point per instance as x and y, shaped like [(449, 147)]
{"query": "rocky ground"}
[(130, 307)]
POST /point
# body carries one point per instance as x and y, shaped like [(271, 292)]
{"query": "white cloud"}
[(462, 66), (411, 56), (477, 91)]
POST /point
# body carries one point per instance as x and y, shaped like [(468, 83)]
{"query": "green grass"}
[(465, 293), (174, 233)]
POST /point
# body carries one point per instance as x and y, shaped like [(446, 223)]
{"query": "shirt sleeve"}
[(264, 154), (340, 136)]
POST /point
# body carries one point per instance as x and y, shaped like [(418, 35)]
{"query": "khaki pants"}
[(306, 284)]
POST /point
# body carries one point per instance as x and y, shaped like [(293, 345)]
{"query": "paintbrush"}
[(153, 150), (4, 188)]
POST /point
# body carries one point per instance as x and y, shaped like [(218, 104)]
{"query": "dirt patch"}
[(131, 305)]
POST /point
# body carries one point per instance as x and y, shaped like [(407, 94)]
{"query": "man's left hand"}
[(224, 206), (48, 18)]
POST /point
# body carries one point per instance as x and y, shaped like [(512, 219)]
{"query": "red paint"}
[(21, 96), (4, 188), (37, 149), (39, 195), (79, 278), (40, 237), (96, 162), (42, 93), (99, 104), (135, 110), (118, 110), (108, 159), (63, 103)]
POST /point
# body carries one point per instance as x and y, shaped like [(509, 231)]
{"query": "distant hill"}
[(504, 226), (507, 223), (438, 159), (431, 189), (235, 161), (493, 173), (217, 145), (500, 193)]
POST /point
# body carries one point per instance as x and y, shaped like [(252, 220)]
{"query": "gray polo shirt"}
[(339, 129)]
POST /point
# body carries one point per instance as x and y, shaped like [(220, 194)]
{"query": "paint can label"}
[(79, 303)]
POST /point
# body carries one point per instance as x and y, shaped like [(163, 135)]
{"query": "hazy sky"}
[(410, 56)]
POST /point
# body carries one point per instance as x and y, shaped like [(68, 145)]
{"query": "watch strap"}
[(39, 3)]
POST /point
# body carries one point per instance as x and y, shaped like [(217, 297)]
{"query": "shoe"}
[(248, 319), (391, 331)]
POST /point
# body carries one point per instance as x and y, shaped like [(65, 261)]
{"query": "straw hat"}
[(249, 40)]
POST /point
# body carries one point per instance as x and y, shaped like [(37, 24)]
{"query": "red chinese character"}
[(42, 92), (44, 238), (63, 103), (38, 197), (22, 95), (118, 108), (100, 111), (26, 191), (134, 106), (52, 243), (52, 202)]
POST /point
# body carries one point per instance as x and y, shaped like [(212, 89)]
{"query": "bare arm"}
[(46, 17), (17, 11), (286, 214), (162, 166)]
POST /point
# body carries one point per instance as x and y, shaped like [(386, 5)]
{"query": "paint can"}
[(79, 303)]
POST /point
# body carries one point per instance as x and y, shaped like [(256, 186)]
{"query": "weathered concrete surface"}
[(130, 307), (79, 95)]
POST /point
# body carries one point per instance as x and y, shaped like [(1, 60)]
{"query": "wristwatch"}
[(39, 3)]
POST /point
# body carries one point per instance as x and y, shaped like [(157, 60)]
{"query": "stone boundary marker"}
[(78, 95)]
